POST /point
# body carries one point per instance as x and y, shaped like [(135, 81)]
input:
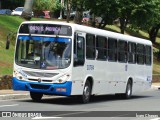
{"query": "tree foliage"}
[(139, 14), (146, 16), (41, 5), (106, 9), (11, 4), (78, 5)]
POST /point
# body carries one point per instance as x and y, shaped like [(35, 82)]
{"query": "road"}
[(101, 107)]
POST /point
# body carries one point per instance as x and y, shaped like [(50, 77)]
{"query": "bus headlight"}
[(63, 78), (19, 75)]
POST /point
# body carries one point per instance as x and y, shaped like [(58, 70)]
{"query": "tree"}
[(49, 5), (27, 13), (154, 21), (79, 6), (106, 9), (146, 16), (125, 9), (68, 2)]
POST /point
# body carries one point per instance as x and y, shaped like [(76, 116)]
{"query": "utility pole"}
[(62, 5)]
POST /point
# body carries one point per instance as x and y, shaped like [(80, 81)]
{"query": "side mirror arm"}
[(8, 42)]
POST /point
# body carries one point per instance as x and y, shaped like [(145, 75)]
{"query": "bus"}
[(56, 58)]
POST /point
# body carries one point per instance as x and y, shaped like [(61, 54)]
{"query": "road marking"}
[(155, 119), (72, 113), (8, 105), (40, 118)]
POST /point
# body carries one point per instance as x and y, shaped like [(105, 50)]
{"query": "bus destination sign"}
[(47, 29)]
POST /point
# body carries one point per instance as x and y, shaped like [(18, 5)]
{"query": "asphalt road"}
[(107, 107)]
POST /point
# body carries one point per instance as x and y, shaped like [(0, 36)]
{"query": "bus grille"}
[(48, 81), (39, 74), (36, 86)]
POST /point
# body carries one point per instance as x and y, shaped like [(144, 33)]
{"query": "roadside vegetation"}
[(10, 24)]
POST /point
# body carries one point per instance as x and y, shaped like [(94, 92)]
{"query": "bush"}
[(6, 82)]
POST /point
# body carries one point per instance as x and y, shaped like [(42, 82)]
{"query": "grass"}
[(8, 24), (11, 23)]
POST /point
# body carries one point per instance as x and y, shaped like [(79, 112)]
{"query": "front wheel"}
[(86, 93), (36, 96)]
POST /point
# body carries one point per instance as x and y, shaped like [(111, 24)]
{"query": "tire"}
[(128, 92), (36, 96), (85, 98)]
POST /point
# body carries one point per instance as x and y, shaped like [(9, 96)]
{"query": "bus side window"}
[(122, 51), (79, 51), (101, 48), (148, 55), (140, 54), (90, 47), (112, 49), (132, 52)]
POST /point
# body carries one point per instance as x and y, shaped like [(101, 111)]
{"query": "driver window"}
[(79, 51)]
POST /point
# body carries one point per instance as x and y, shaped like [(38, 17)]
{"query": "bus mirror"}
[(7, 44)]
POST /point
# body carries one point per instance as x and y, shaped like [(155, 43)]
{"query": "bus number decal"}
[(90, 67)]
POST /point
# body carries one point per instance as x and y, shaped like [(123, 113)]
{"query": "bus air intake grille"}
[(36, 86), (40, 74)]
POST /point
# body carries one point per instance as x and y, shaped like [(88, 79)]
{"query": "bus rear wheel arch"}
[(128, 91)]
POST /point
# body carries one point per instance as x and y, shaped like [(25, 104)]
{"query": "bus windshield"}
[(43, 52)]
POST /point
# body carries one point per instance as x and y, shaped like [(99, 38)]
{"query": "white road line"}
[(155, 119), (8, 105), (40, 118), (74, 113)]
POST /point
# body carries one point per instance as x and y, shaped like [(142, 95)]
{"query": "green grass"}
[(7, 24), (11, 23)]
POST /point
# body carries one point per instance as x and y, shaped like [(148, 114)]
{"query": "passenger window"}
[(101, 48), (140, 54), (90, 46), (131, 52), (112, 49), (122, 51), (148, 55)]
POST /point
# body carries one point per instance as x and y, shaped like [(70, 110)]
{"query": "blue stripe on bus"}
[(52, 39), (46, 87)]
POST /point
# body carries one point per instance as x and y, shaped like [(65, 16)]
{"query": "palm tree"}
[(27, 13)]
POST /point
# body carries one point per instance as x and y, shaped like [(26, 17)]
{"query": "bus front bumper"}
[(45, 88)]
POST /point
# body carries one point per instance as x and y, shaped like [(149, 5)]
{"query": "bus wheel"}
[(128, 92), (36, 96), (86, 93)]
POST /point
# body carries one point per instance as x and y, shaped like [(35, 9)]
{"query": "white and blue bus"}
[(57, 58)]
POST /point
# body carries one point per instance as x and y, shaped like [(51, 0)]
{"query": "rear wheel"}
[(85, 98), (128, 92), (36, 96)]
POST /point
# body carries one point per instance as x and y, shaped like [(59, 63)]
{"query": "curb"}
[(14, 96), (156, 87)]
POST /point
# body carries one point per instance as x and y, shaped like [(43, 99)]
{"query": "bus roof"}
[(91, 30)]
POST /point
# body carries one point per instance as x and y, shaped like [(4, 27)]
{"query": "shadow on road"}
[(75, 100)]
